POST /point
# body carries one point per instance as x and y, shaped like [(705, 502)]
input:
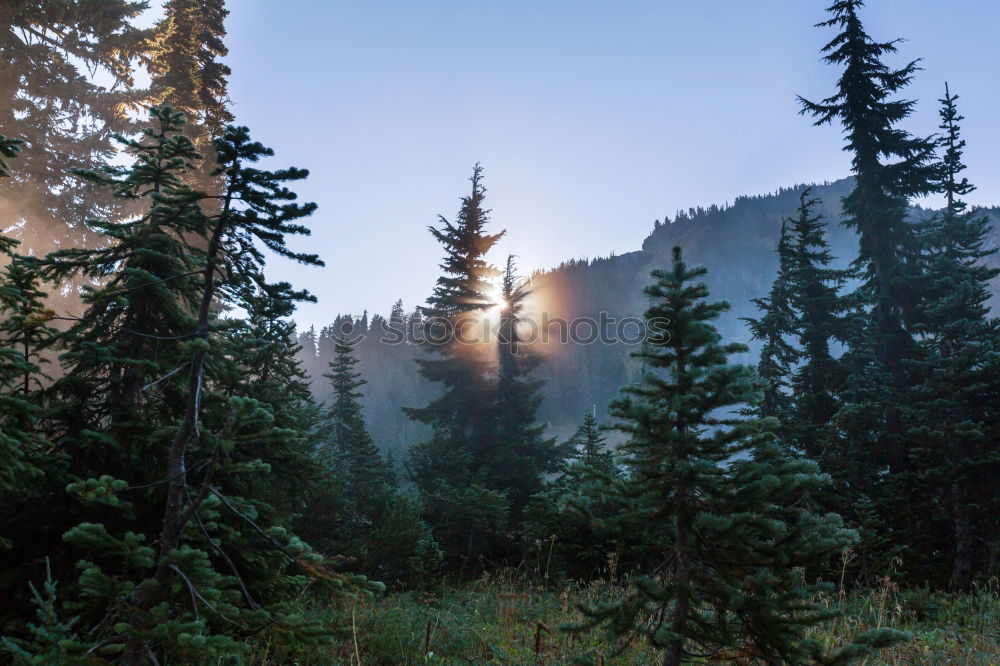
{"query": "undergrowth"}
[(506, 620)]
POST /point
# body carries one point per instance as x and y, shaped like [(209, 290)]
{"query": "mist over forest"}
[(737, 243), (768, 435)]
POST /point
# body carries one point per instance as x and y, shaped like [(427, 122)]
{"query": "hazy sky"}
[(591, 119)]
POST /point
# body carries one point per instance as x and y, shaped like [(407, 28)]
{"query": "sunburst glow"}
[(497, 302)]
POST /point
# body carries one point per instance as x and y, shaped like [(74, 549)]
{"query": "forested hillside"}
[(737, 243)]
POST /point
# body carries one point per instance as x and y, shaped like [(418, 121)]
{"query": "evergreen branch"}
[(200, 463), (101, 644), (202, 494), (160, 281), (166, 376), (250, 521), (232, 567), (190, 586), (129, 330), (195, 593)]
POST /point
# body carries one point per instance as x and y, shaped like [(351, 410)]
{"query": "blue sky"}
[(591, 119)]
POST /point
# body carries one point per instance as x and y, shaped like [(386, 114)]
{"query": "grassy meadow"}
[(507, 620)]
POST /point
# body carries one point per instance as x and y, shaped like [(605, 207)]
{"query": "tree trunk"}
[(153, 591), (961, 572), (682, 579)]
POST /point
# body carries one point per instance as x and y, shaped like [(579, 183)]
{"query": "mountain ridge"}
[(735, 243)]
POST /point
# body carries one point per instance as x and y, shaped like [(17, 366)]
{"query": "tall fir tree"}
[(362, 512), (804, 315), (522, 455), (890, 166), (820, 311), (775, 328), (957, 424), (719, 496), (453, 468), (351, 445)]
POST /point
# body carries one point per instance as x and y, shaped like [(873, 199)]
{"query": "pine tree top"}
[(699, 387), (466, 283), (865, 106)]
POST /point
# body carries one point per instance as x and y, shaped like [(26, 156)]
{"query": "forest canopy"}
[(706, 451)]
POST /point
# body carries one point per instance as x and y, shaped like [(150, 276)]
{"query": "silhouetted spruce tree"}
[(775, 328), (360, 510), (567, 521), (522, 455), (397, 317), (820, 310), (352, 447), (890, 166), (956, 420), (734, 536), (454, 469), (589, 447)]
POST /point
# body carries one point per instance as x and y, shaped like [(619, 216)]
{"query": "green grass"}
[(498, 619)]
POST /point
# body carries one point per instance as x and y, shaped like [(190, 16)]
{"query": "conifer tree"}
[(452, 468), (820, 311), (164, 434), (589, 447), (48, 99), (261, 363), (567, 520), (362, 512), (522, 456), (136, 308), (23, 332), (184, 54), (774, 329), (26, 323), (365, 470), (733, 535), (804, 314), (890, 166), (956, 423), (397, 316)]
